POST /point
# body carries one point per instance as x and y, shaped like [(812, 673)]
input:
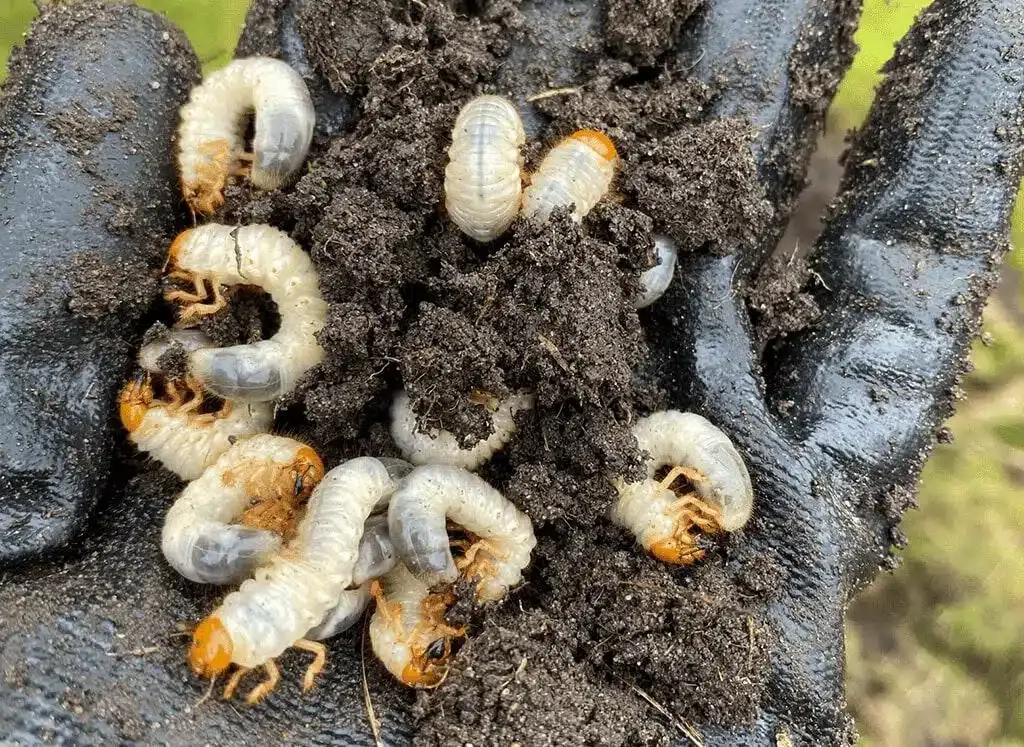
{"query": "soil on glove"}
[(602, 644)]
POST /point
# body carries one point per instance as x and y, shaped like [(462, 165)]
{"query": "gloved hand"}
[(834, 421)]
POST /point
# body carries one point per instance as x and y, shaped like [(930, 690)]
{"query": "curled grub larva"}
[(657, 279), (200, 537), (250, 255), (666, 523), (407, 630), (213, 124), (576, 172), (295, 589), (417, 523), (350, 608), (482, 181), (180, 437), (442, 447), (376, 554)]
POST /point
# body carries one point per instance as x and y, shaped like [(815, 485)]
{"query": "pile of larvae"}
[(308, 548)]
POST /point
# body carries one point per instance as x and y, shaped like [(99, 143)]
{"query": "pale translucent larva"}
[(349, 610), (200, 538), (407, 630), (213, 124), (482, 181), (667, 523), (657, 279), (417, 523), (577, 172), (441, 446), (295, 589), (251, 255), (180, 438)]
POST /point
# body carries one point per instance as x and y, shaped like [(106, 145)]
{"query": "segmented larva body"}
[(417, 524), (200, 538), (482, 181), (294, 591), (407, 630), (251, 255), (350, 608), (441, 446), (657, 279), (183, 440), (667, 523), (213, 124), (576, 172)]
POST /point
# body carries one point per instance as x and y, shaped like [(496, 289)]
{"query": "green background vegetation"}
[(935, 650)]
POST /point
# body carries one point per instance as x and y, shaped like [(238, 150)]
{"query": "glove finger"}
[(88, 204), (908, 259)]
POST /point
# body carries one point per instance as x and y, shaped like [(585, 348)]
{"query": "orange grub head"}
[(211, 649), (134, 402), (598, 141), (678, 552), (309, 469)]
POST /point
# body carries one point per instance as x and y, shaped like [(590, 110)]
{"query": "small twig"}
[(135, 651), (555, 352), (685, 727), (371, 715), (514, 675), (551, 92), (208, 693)]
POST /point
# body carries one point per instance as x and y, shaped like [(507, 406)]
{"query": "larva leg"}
[(195, 401), (390, 612), (232, 683), (691, 510), (204, 309), (176, 397), (266, 687), (693, 475), (319, 650), (198, 284), (470, 558)]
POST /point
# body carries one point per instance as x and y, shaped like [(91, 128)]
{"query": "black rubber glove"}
[(834, 423)]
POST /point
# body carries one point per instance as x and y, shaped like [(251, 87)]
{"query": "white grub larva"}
[(657, 279), (482, 181), (184, 440), (295, 589), (407, 630), (250, 255), (577, 172), (350, 608), (441, 446), (213, 123), (417, 523), (665, 523), (376, 554), (200, 538)]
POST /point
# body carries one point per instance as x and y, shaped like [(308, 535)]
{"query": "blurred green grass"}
[(936, 650)]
